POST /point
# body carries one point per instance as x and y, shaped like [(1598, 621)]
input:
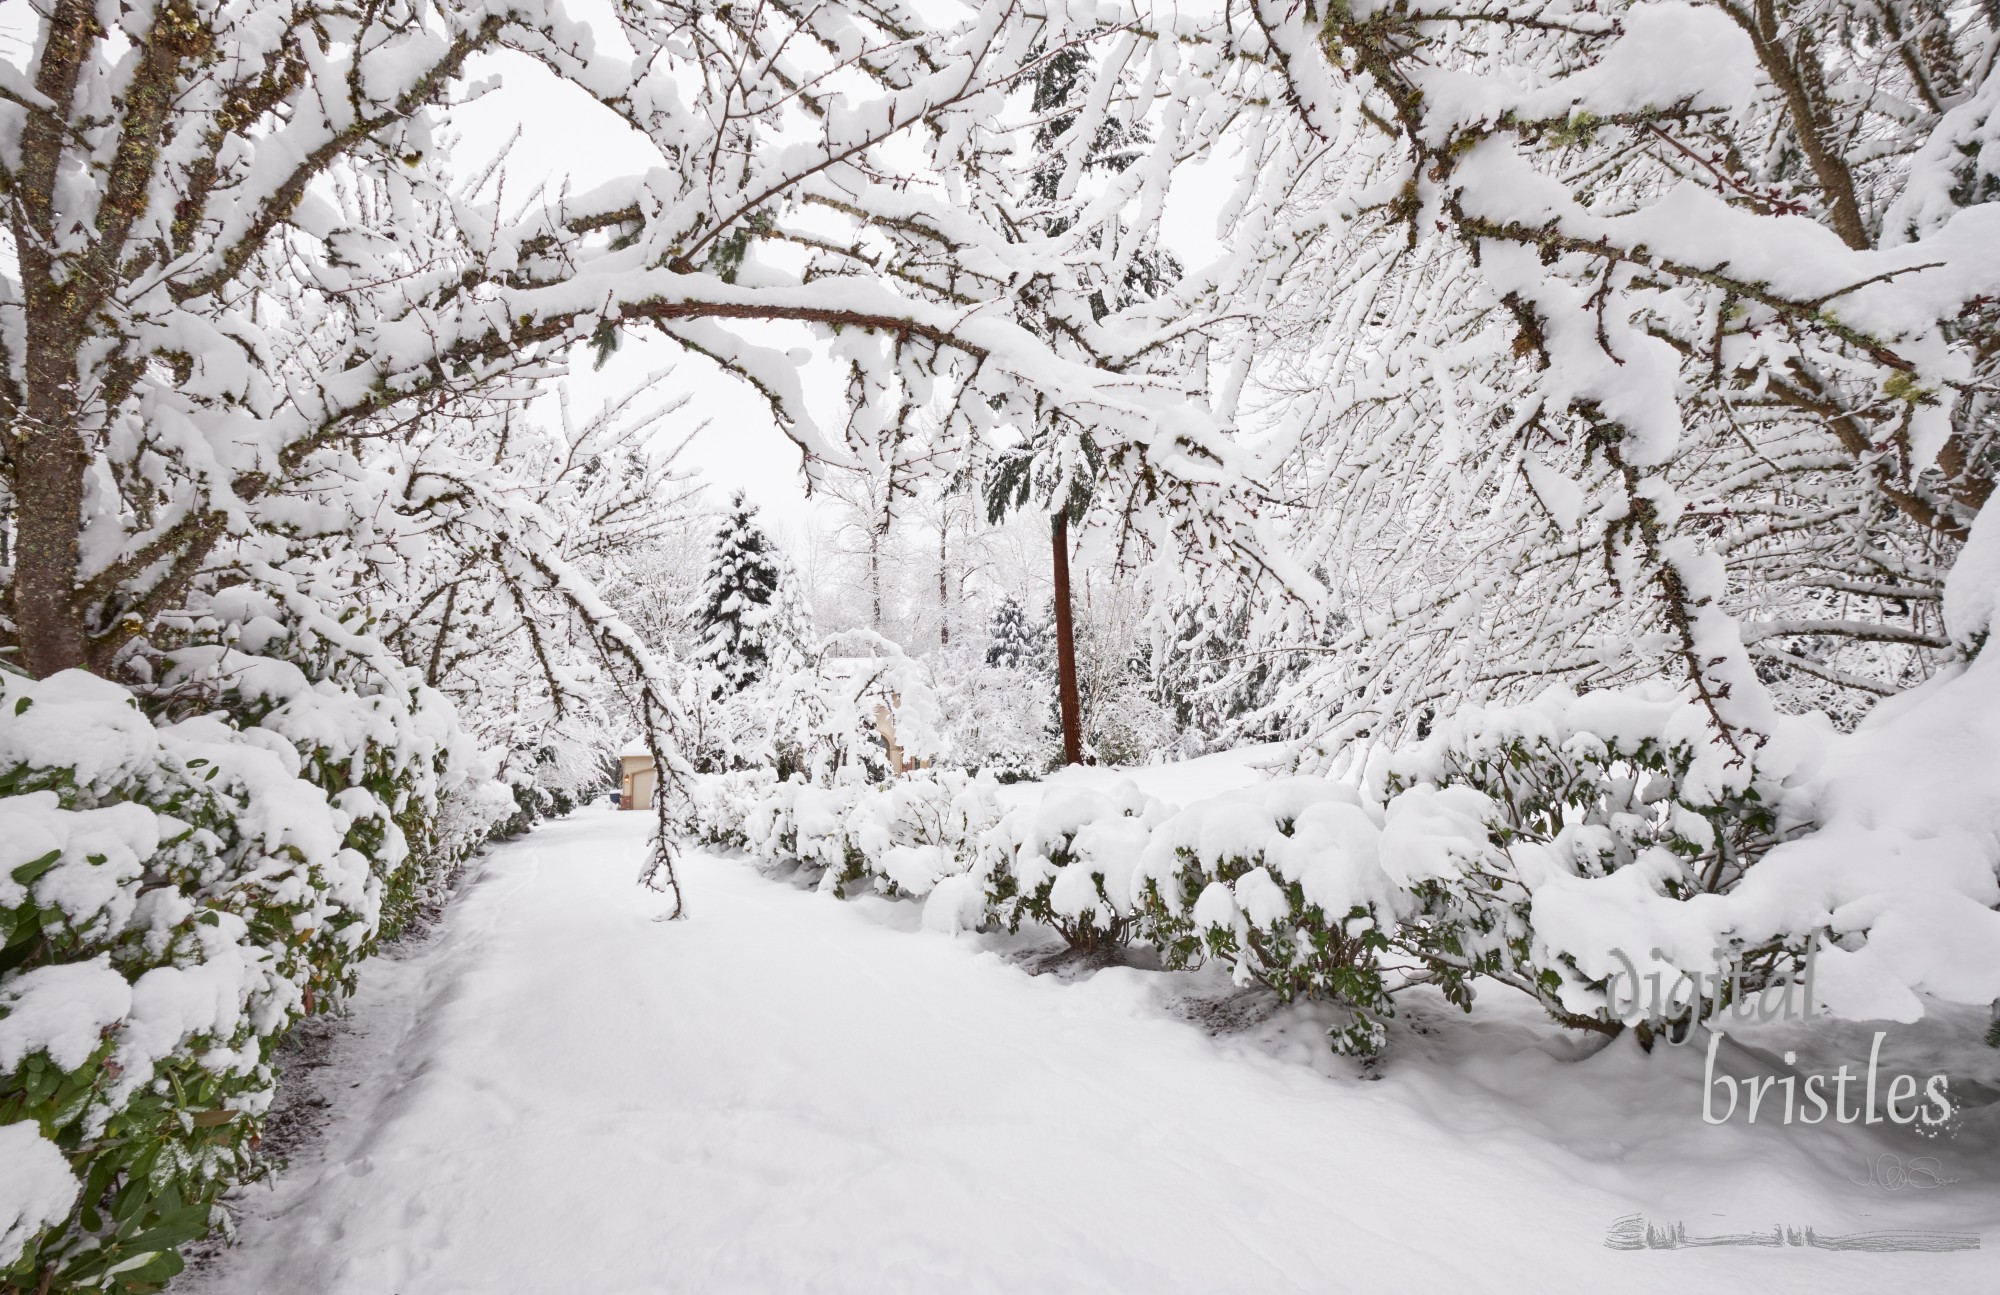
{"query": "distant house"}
[(637, 778)]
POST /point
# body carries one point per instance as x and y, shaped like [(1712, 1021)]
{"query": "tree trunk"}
[(1072, 708), (48, 510), (875, 581), (49, 459), (944, 587), (48, 503)]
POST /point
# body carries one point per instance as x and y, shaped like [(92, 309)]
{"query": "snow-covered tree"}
[(270, 348), (515, 655), (658, 588), (740, 599), (1646, 349), (1123, 721), (240, 256), (1014, 643), (994, 718), (1612, 342)]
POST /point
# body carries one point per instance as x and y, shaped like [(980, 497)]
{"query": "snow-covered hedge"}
[(900, 838), (1599, 810), (1066, 861), (388, 750), (1285, 884), (716, 809), (173, 897), (1300, 884), (1549, 847)]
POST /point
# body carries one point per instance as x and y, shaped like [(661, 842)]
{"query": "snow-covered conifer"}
[(739, 595), (1016, 644)]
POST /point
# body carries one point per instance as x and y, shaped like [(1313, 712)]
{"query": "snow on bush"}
[(915, 831), (1066, 860), (1622, 829), (387, 749), (899, 838), (172, 898), (1545, 847), (796, 822), (36, 1191), (717, 807), (1608, 817), (1903, 871), (1284, 884)]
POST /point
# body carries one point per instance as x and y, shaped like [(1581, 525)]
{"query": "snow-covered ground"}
[(787, 1092)]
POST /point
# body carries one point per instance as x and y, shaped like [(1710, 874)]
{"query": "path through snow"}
[(786, 1093)]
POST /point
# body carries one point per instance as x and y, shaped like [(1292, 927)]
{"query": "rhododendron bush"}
[(1543, 848), (172, 899)]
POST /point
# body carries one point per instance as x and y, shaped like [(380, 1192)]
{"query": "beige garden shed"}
[(637, 778)]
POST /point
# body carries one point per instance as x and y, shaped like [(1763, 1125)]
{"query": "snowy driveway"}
[(789, 1094)]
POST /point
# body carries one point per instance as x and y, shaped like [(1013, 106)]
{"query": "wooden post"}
[(1066, 690)]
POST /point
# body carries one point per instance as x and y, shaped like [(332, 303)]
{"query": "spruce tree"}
[(1016, 644), (738, 597)]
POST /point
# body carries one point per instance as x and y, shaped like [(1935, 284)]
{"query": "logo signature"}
[(1636, 1232), (1892, 1173)]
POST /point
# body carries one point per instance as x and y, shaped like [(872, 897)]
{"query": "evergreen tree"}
[(1016, 644), (1200, 677), (739, 595)]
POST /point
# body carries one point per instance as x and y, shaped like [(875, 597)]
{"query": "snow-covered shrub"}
[(180, 890), (387, 749), (471, 812), (550, 779), (718, 806), (1066, 860), (171, 900), (914, 831), (1287, 884), (995, 717), (796, 822), (899, 837), (1595, 809)]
